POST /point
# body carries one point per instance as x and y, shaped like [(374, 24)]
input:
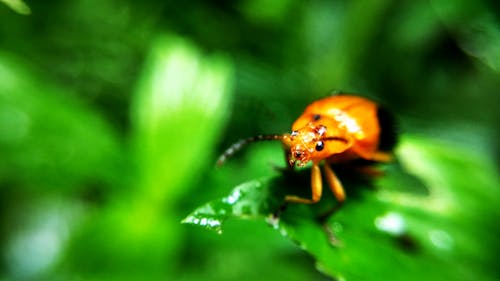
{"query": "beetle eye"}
[(319, 146), (294, 133)]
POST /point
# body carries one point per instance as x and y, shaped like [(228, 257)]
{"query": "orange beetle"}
[(334, 129)]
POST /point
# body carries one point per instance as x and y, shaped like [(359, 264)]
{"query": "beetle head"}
[(305, 144), (312, 143)]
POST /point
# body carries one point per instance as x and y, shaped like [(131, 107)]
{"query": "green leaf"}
[(49, 139), (179, 108), (431, 216), (248, 200), (475, 27), (18, 6)]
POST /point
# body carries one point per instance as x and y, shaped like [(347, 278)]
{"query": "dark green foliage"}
[(113, 113)]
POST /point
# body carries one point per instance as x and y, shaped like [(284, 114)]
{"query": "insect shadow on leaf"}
[(358, 177)]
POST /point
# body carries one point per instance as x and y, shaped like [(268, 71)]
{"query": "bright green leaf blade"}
[(18, 6), (441, 224), (179, 108)]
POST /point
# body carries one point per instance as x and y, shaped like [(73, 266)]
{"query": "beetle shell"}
[(330, 120)]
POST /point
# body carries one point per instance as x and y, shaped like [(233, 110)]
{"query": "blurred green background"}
[(112, 114)]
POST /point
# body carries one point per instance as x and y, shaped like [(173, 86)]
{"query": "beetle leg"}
[(381, 156), (377, 156), (289, 166), (334, 183), (316, 188)]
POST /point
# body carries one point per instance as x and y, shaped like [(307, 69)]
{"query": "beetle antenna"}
[(242, 143)]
